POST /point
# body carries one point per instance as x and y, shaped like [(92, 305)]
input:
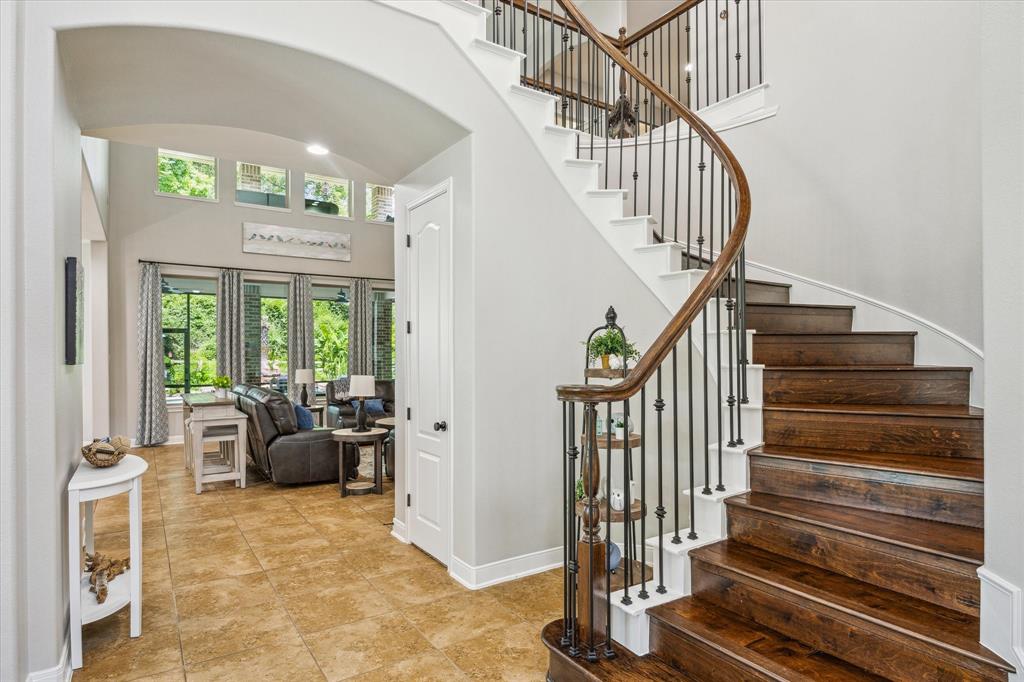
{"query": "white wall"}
[(96, 157), (1002, 175), (869, 176), (41, 413), (145, 226), (96, 371)]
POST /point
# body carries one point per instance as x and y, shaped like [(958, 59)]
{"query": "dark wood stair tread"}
[(865, 368), (933, 625), (943, 411), (800, 306), (964, 469), (848, 336), (756, 646), (961, 543), (625, 667)]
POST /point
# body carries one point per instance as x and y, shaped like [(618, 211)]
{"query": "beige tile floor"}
[(296, 583)]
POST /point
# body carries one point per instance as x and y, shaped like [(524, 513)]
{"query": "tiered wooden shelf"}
[(635, 511)]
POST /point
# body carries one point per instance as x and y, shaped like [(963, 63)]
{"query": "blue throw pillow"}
[(304, 417), (374, 408)]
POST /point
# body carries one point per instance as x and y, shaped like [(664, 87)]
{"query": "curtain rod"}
[(267, 272)]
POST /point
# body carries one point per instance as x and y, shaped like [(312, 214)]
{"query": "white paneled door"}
[(430, 343)]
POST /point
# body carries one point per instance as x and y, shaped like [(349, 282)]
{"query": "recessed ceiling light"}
[(317, 149)]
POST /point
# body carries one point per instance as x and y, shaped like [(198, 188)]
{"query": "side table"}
[(389, 444), (87, 485), (375, 436)]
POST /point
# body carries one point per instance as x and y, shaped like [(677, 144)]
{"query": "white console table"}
[(89, 484)]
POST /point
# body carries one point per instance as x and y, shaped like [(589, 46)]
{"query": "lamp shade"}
[(361, 386), (303, 376)]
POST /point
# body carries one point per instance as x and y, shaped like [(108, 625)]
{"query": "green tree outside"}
[(188, 177)]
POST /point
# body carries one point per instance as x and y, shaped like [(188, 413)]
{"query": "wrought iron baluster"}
[(608, 651), (675, 447), (643, 493), (629, 541), (659, 407)]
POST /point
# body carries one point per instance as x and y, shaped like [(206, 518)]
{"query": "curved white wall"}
[(868, 178)]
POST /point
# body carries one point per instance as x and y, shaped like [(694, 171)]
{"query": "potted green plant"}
[(620, 428), (221, 384), (609, 344)]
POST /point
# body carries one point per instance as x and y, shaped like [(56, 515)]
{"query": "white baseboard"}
[(399, 531), (171, 440), (58, 673), (485, 575), (1002, 619)]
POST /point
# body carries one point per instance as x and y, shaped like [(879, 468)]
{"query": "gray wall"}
[(148, 226)]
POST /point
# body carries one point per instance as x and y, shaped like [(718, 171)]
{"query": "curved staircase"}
[(835, 502)]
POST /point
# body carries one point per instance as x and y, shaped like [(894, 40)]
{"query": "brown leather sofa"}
[(277, 447)]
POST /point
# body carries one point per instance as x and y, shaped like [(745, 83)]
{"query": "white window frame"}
[(330, 178), (186, 155), (287, 208)]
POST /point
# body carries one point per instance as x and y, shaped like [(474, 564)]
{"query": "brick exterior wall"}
[(253, 332), (383, 361)]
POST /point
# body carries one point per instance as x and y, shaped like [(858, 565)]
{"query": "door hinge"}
[(408, 499), (408, 327), (408, 240), (408, 413)]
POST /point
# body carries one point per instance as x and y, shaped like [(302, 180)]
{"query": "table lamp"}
[(361, 386), (304, 376)]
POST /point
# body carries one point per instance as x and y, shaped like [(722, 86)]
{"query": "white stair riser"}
[(499, 68), (630, 235), (532, 112)]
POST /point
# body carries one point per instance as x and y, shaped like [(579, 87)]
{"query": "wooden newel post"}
[(590, 548)]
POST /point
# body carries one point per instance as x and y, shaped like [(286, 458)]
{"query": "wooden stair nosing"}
[(959, 543), (907, 623), (731, 640), (867, 384), (958, 468), (935, 430), (830, 349), (916, 495), (951, 583)]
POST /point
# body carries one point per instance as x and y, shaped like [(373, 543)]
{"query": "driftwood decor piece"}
[(102, 453), (102, 570)]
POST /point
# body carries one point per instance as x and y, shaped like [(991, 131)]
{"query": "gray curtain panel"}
[(360, 328), (300, 330), (231, 326), (152, 426)]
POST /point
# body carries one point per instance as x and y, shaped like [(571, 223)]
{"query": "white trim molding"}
[(1002, 619), (58, 673), (503, 570), (399, 531)]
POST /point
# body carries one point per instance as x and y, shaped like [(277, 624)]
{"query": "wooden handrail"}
[(650, 28), (716, 274)]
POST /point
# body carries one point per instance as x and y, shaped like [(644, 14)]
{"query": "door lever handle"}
[(440, 426)]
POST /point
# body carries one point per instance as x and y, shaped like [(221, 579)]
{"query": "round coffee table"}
[(375, 436)]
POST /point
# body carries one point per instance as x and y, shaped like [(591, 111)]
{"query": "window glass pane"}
[(330, 332), (188, 175), (189, 334), (328, 196), (274, 343), (380, 203), (261, 185)]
